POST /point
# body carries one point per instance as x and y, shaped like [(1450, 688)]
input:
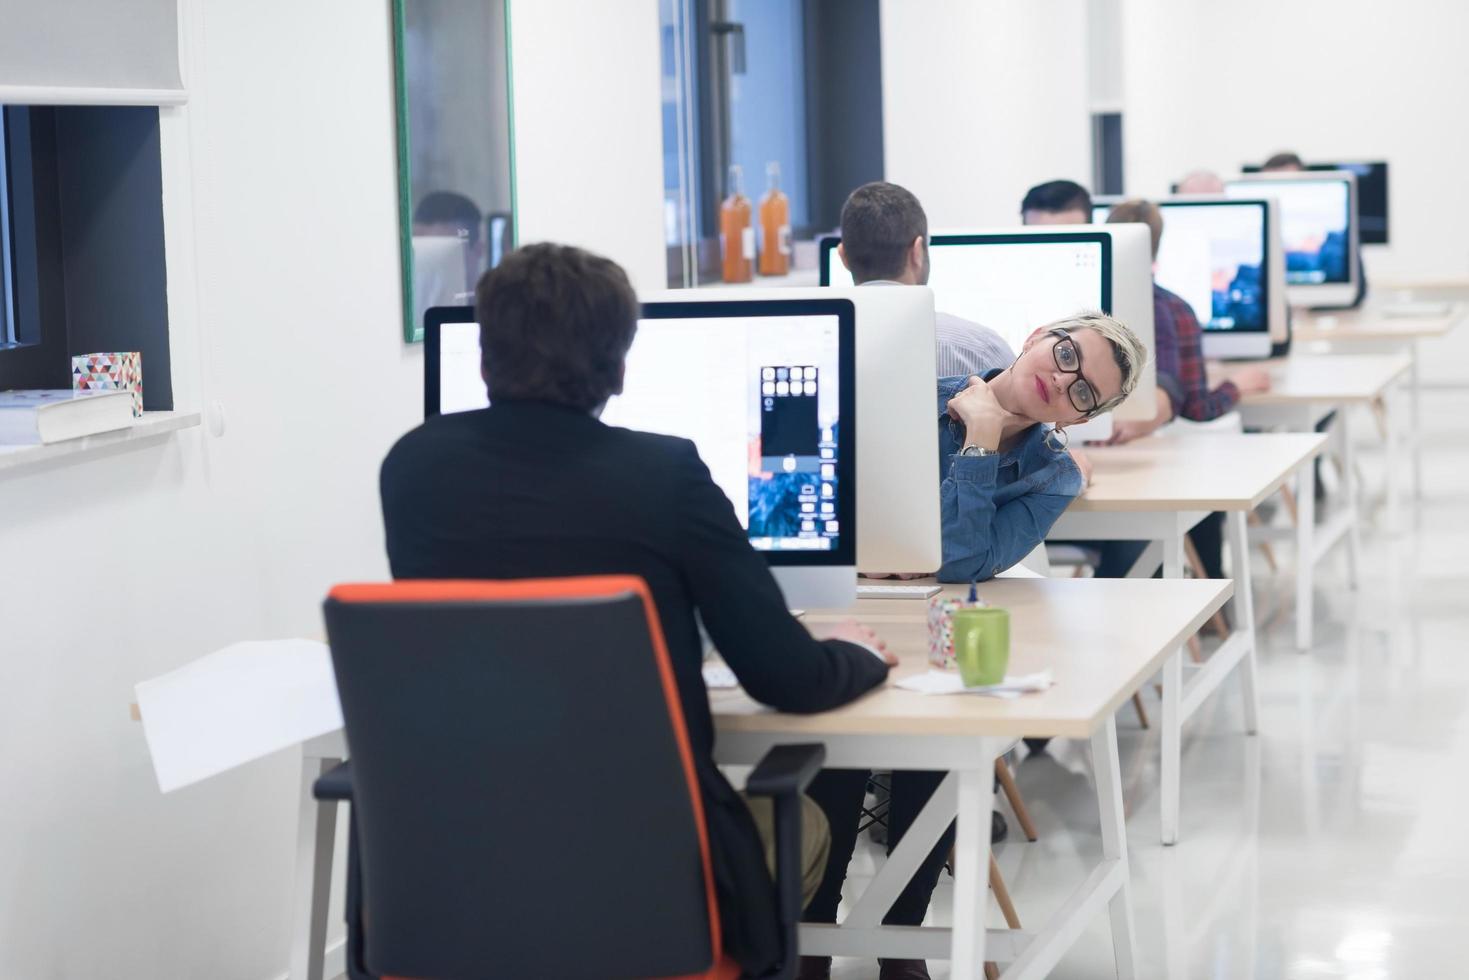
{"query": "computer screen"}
[(1372, 212), (1213, 256), (1315, 225), (764, 390), (1009, 283)]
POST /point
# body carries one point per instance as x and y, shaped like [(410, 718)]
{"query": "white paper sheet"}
[(949, 682), (237, 705), (717, 676)]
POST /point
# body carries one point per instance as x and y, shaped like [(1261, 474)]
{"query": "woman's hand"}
[(980, 412), (1126, 430), (1085, 465)]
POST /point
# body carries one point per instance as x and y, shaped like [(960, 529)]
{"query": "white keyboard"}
[(1422, 308), (897, 591)]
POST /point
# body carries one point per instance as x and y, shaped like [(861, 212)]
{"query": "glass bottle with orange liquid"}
[(736, 236), (775, 226)]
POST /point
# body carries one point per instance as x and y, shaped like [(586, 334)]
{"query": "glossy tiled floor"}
[(1334, 844)]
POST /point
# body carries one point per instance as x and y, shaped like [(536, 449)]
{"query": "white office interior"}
[(291, 379)]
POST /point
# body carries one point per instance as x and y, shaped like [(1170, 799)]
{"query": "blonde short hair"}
[(1127, 349)]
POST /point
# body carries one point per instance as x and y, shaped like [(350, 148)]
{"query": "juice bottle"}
[(775, 226), (736, 236)]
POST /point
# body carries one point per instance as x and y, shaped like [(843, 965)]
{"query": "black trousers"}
[(839, 793), (1207, 536)]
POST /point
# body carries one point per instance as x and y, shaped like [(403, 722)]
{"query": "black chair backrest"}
[(523, 790)]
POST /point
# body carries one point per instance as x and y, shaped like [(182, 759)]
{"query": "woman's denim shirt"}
[(996, 509)]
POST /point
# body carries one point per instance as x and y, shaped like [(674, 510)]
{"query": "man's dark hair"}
[(449, 208), (1282, 160), (555, 324), (1058, 195), (880, 222)]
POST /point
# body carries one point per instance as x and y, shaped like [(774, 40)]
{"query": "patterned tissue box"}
[(121, 371), (941, 610)]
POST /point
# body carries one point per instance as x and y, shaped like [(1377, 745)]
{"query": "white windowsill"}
[(796, 277), (151, 426)]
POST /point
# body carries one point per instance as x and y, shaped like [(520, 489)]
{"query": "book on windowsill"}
[(31, 417)]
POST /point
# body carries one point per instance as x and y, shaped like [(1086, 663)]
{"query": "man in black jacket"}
[(536, 486)]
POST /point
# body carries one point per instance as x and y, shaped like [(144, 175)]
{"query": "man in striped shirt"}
[(885, 243)]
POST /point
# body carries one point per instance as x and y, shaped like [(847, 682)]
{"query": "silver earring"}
[(1058, 440)]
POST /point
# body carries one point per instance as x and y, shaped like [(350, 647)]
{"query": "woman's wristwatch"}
[(976, 451)]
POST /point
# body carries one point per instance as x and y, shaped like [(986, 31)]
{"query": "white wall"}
[(1209, 84), (280, 197), (588, 129), (983, 100), (124, 567)]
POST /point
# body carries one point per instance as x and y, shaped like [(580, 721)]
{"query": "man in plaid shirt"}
[(1183, 391)]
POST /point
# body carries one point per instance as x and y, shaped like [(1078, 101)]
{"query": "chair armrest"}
[(783, 775), (336, 784), (786, 770)]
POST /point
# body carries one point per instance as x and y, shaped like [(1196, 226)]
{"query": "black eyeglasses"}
[(1068, 359)]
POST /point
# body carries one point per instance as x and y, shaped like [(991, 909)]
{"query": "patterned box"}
[(121, 371), (941, 610)]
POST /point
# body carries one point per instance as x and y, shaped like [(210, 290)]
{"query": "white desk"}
[(1156, 490), (1373, 329), (1089, 633), (1306, 389), (1061, 624)]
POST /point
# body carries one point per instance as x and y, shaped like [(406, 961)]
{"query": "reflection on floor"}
[(1334, 845)]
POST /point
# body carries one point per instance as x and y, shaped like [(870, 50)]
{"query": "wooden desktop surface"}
[(1314, 378), (1101, 638), (1194, 471), (1373, 324)]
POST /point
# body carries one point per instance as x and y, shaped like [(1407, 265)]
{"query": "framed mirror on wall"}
[(456, 180)]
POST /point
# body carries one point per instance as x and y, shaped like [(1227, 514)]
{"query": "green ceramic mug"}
[(982, 644)]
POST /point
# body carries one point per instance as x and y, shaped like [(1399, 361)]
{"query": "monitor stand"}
[(1225, 346), (817, 586)]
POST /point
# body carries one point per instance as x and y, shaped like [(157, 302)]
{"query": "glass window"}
[(1107, 152), (734, 123)]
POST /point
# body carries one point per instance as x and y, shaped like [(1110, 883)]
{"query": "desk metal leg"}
[(971, 868), (316, 831), (1354, 498), (1394, 504), (1114, 844), (1242, 608), (1305, 552), (1416, 410), (1172, 738)]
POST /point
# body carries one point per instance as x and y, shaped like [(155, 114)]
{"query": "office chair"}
[(484, 720)]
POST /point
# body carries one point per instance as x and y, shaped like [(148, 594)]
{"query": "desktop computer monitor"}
[(765, 389), (1318, 226), (1372, 215), (1218, 254), (1017, 279), (897, 443)]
